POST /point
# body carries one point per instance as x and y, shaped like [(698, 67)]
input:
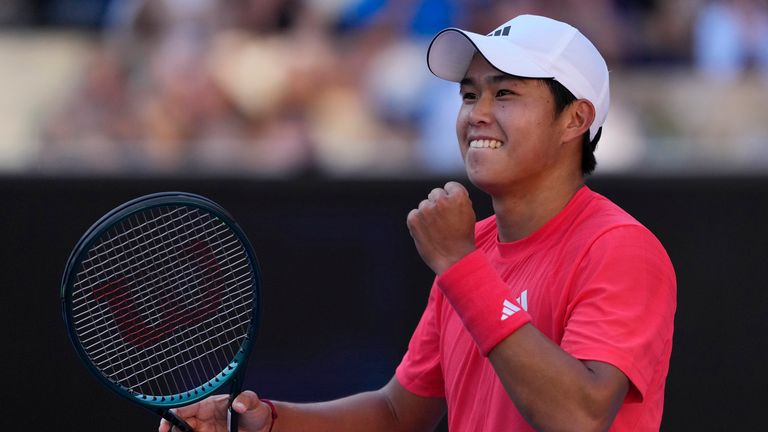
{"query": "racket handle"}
[(177, 422), (236, 387), (234, 416)]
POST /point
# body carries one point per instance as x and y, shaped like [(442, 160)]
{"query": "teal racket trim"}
[(161, 298)]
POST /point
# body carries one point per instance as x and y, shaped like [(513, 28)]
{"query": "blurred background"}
[(339, 88), (318, 126)]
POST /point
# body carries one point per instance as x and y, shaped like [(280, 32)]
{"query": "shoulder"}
[(614, 240), (602, 212), (602, 227), (597, 218)]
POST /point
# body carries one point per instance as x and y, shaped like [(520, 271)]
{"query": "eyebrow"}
[(493, 79)]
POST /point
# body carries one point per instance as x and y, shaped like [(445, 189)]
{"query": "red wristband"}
[(273, 410), (484, 302)]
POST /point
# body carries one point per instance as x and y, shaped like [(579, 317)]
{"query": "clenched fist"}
[(443, 226)]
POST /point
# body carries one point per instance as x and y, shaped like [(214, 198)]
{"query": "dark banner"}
[(343, 288)]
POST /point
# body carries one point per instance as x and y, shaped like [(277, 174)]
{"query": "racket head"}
[(106, 302)]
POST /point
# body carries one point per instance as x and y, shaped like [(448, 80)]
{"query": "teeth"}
[(485, 144)]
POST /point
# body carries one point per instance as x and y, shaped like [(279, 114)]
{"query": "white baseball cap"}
[(529, 46)]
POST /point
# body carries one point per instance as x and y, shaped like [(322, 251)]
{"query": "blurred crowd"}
[(286, 88)]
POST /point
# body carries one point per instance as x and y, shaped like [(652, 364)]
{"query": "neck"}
[(520, 212)]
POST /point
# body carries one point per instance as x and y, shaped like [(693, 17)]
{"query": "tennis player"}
[(555, 313)]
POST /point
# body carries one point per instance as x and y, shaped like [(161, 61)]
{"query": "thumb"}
[(246, 401), (255, 415)]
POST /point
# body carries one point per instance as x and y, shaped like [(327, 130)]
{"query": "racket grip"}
[(234, 417), (177, 422)]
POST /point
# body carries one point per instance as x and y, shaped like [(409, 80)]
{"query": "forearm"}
[(364, 411), (552, 389), (390, 409)]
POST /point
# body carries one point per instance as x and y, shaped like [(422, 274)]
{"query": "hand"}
[(210, 414), (443, 226)]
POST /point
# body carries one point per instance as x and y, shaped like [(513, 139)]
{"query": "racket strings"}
[(92, 343), (139, 249), (177, 360), (167, 379), (137, 299), (163, 301)]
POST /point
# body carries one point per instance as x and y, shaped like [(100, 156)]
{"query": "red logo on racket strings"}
[(172, 311)]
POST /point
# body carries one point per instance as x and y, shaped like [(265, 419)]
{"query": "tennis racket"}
[(161, 299)]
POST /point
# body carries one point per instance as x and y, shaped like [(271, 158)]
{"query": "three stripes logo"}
[(501, 31), (509, 308)]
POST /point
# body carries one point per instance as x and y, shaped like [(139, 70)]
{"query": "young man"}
[(557, 312)]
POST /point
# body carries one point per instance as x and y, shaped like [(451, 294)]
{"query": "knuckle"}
[(412, 216), (435, 194), (455, 187)]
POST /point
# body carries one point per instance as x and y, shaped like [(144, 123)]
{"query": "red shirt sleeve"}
[(420, 371), (622, 308)]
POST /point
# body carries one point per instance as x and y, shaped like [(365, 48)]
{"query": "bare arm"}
[(552, 389), (392, 408)]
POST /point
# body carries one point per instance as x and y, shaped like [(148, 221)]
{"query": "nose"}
[(480, 112)]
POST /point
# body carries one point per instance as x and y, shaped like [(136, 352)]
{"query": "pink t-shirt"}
[(593, 280)]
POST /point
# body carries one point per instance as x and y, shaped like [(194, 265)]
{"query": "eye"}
[(505, 92), (468, 96)]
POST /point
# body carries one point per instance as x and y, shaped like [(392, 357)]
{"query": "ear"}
[(578, 117)]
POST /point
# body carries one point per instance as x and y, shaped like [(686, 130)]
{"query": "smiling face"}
[(508, 131)]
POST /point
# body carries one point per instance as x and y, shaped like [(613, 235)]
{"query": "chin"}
[(482, 182)]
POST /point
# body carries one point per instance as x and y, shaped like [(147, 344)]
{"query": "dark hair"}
[(563, 97)]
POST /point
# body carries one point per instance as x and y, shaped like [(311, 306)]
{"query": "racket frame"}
[(234, 371)]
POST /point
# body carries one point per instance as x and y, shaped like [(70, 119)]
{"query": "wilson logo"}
[(509, 308), (171, 311)]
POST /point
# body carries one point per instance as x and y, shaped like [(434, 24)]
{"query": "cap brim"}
[(451, 52)]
